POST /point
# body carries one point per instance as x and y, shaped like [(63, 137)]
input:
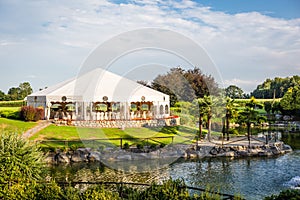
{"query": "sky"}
[(46, 42)]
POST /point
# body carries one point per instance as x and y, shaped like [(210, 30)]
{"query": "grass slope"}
[(15, 125)]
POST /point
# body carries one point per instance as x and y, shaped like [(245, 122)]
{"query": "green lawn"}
[(15, 125), (133, 135)]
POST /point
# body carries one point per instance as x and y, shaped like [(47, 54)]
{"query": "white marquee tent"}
[(98, 95)]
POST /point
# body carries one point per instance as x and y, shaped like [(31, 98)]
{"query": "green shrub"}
[(140, 146), (73, 147), (170, 189), (99, 193), (70, 193), (162, 145), (48, 191), (153, 146), (10, 114), (126, 146), (21, 161), (286, 194)]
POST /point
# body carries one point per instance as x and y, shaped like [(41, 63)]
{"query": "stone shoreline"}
[(170, 151)]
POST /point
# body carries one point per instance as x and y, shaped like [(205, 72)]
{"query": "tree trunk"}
[(200, 127), (227, 127), (248, 131), (209, 128), (223, 130)]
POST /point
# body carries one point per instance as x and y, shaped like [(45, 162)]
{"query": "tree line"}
[(275, 88), (17, 93)]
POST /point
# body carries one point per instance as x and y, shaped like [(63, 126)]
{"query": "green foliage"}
[(140, 146), (21, 161), (170, 189), (12, 103), (126, 146), (278, 86), (10, 114), (250, 114), (99, 193), (19, 93), (233, 131), (286, 194), (291, 100), (184, 111), (234, 92)]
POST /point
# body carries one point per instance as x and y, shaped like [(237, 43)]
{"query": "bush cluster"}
[(29, 113), (170, 189), (10, 114), (285, 194)]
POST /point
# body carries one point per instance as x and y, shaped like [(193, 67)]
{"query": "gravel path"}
[(41, 125)]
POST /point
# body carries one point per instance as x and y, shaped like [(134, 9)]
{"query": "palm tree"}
[(250, 115), (231, 112), (206, 107)]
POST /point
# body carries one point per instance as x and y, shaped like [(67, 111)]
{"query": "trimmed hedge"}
[(12, 103), (9, 114)]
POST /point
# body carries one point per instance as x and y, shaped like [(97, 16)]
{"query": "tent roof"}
[(96, 84)]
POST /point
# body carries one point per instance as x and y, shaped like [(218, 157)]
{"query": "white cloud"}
[(250, 46)]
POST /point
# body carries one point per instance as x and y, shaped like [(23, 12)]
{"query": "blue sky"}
[(46, 42)]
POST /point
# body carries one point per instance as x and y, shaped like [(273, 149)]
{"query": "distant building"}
[(100, 95)]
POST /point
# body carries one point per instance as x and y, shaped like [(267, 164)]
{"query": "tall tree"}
[(250, 114), (19, 93), (201, 83), (206, 106), (25, 89), (234, 92), (14, 93), (2, 96), (184, 85)]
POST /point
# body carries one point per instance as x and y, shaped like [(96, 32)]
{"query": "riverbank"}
[(201, 149)]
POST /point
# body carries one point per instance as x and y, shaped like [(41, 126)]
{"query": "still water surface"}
[(253, 178)]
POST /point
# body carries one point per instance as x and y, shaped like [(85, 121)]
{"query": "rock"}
[(253, 152), (124, 157), (230, 154), (80, 156), (140, 156), (243, 153), (94, 157), (287, 148), (154, 155), (61, 158), (84, 150), (227, 154)]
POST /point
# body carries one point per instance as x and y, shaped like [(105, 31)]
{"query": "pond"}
[(253, 178)]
